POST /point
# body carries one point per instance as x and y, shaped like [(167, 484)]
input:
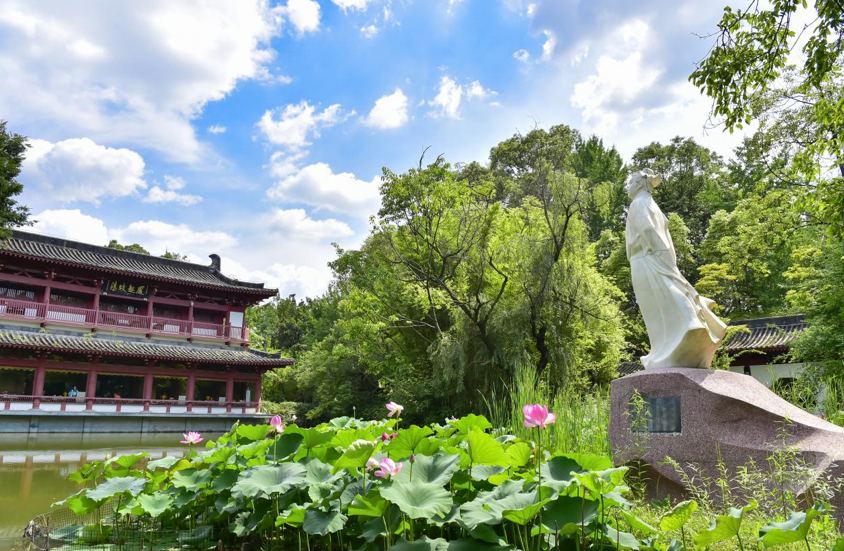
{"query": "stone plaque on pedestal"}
[(701, 416)]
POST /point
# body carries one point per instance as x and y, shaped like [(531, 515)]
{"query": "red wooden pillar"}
[(229, 391), (191, 298), (191, 388), (38, 381), (91, 385), (148, 385), (96, 305)]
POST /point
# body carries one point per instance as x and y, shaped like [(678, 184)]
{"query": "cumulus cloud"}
[(389, 111), (303, 14), (216, 129), (303, 281), (80, 170), (296, 223), (522, 55), (128, 72), (346, 5), (450, 95), (317, 185), (71, 224), (612, 91), (170, 194), (369, 31), (296, 123)]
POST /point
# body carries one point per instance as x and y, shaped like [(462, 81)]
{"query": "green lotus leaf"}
[(321, 483), (345, 438), (294, 516), (252, 433), (620, 539), (601, 482), (355, 456), (201, 534), (471, 544), (677, 517), (95, 534), (370, 505), (418, 499), (839, 545), (422, 544), (225, 480), (569, 511), (435, 469), (320, 523), (68, 533), (81, 505), (636, 523), (220, 454), (89, 471), (487, 508), (483, 449), (467, 423), (122, 464), (408, 442), (519, 453), (795, 529), (311, 438), (155, 504), (284, 446), (163, 463), (116, 486), (191, 479), (724, 527), (485, 472), (267, 480)]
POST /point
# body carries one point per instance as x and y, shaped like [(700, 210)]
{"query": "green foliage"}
[(12, 153), (134, 247)]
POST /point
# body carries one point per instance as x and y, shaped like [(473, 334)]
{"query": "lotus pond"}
[(376, 485)]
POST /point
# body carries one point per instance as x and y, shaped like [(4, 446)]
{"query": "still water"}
[(33, 470)]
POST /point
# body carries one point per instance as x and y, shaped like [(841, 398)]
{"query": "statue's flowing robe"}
[(682, 329)]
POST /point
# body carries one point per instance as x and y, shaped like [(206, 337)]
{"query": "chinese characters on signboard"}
[(126, 289)]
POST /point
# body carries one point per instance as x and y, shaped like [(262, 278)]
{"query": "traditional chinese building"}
[(91, 329)]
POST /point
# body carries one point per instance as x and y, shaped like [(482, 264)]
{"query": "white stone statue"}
[(681, 326)]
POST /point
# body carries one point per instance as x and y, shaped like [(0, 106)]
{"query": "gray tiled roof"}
[(774, 333), (62, 251), (138, 349)]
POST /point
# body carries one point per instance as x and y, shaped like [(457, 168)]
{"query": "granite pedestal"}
[(698, 416)]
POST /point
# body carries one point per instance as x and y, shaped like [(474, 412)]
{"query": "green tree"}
[(748, 76), (174, 256), (12, 152), (134, 247), (693, 182)]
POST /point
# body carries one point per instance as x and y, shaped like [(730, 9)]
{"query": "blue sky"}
[(257, 130)]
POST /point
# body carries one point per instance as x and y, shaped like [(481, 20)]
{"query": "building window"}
[(17, 294)]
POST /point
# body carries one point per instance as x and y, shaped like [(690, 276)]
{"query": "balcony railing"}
[(13, 402), (118, 321)]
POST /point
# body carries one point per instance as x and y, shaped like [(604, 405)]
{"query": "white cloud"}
[(449, 97), (369, 31), (303, 281), (389, 111), (447, 101), (606, 96), (159, 195), (174, 182), (216, 129), (296, 123), (303, 14), (549, 46), (71, 224), (352, 4), (317, 185), (158, 237), (522, 55), (130, 72), (297, 224), (80, 170)]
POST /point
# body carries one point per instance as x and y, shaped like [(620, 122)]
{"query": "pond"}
[(34, 469)]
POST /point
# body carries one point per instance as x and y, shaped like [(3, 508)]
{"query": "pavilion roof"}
[(767, 334), (108, 346), (73, 253)]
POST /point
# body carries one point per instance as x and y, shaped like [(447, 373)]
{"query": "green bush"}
[(290, 412)]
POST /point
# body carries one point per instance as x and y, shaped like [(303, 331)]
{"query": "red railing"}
[(21, 309), (67, 403), (117, 321)]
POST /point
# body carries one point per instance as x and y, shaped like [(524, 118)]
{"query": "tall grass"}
[(821, 396), (582, 418)]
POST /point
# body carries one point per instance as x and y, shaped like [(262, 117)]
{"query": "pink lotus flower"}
[(387, 437), (395, 409), (276, 423), (537, 416), (388, 468), (372, 464), (192, 438)]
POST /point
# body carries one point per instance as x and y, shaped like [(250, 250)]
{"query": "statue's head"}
[(643, 180)]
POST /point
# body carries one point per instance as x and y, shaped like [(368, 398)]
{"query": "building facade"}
[(86, 328)]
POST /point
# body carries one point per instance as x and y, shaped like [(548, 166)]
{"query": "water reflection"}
[(34, 469)]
